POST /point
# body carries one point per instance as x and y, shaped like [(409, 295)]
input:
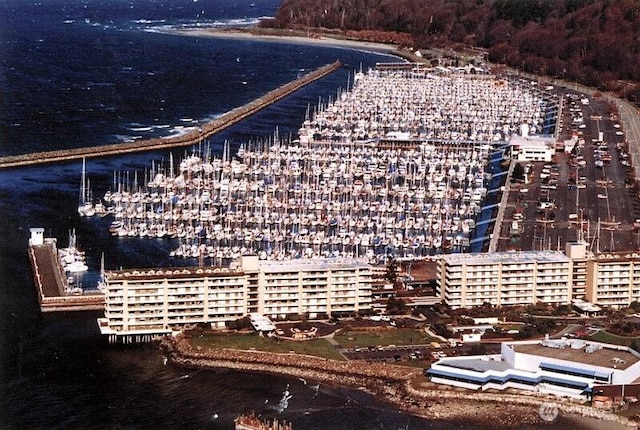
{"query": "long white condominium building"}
[(143, 303), (504, 278)]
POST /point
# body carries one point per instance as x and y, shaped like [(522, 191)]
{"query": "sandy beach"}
[(400, 386), (295, 39)]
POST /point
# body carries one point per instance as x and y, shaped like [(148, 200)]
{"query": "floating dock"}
[(190, 138), (51, 282)]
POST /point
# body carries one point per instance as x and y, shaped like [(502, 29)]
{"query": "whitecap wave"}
[(200, 24), (179, 131)]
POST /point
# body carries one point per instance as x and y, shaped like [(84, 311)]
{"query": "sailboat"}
[(85, 207), (102, 283), (71, 258)]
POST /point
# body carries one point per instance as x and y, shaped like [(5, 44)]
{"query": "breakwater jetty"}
[(185, 139)]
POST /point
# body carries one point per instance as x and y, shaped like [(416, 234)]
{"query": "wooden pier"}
[(51, 282), (189, 138)]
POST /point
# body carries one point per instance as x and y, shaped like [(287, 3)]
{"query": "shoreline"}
[(316, 39), (393, 384)]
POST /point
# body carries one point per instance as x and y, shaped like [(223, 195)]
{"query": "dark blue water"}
[(77, 73)]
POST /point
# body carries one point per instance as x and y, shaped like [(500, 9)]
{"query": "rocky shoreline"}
[(397, 385)]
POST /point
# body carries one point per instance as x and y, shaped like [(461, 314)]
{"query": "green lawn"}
[(603, 336), (316, 347), (353, 338)]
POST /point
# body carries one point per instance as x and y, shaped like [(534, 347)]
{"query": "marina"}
[(395, 166), (391, 168)]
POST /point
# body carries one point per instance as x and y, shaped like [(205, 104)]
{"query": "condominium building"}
[(149, 302), (504, 278), (613, 279), (522, 278)]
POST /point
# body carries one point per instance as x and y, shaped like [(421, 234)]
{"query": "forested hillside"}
[(595, 42)]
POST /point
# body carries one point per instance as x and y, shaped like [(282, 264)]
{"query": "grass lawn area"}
[(510, 326), (353, 338), (603, 336), (317, 347)]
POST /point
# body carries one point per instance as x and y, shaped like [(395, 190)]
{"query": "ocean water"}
[(87, 72)]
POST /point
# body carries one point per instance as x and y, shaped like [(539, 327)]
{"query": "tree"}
[(526, 332), (396, 306), (239, 324), (441, 329), (391, 274), (594, 43), (562, 310), (478, 349), (518, 173)]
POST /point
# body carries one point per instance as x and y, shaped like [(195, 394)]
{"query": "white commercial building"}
[(143, 303), (562, 367), (532, 148)]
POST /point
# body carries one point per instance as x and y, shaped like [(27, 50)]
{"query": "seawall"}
[(396, 384), (189, 138)]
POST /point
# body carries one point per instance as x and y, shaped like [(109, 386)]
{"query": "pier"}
[(189, 138), (51, 282)]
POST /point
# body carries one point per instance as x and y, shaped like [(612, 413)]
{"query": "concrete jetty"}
[(50, 281), (189, 138)]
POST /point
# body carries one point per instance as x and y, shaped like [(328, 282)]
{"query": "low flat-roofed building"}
[(562, 367), (585, 308), (532, 148), (151, 302), (262, 323)]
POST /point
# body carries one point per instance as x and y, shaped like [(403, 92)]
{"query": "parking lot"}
[(587, 194), (389, 353), (407, 353)]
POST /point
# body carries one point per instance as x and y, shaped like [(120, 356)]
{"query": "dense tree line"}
[(594, 42)]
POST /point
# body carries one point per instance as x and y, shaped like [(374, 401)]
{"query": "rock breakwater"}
[(399, 385)]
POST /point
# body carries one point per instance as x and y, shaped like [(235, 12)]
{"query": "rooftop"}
[(171, 272), (507, 257), (482, 364), (319, 264), (538, 141), (611, 356)]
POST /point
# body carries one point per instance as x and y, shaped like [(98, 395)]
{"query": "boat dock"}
[(189, 138), (51, 282)]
